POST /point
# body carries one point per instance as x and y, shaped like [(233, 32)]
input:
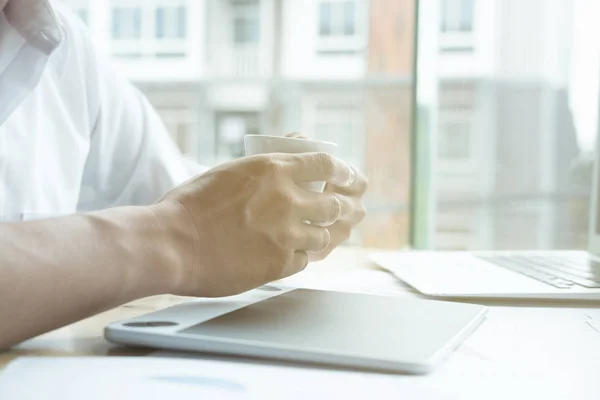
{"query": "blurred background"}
[(474, 120)]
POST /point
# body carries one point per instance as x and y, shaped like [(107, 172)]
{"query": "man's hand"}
[(352, 194), (232, 229), (247, 220), (351, 197)]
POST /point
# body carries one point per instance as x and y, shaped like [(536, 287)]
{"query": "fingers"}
[(340, 232), (299, 262), (315, 167), (320, 209), (357, 187), (305, 238), (328, 208)]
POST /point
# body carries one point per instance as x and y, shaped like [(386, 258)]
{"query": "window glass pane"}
[(137, 22), (444, 15), (455, 142), (171, 22), (183, 138), (246, 23), (231, 129), (246, 31), (466, 15), (349, 18), (181, 22), (457, 15), (325, 19), (160, 22), (116, 23), (517, 124), (532, 84), (126, 23), (359, 96)]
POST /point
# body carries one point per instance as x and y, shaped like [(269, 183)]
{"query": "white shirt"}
[(74, 134)]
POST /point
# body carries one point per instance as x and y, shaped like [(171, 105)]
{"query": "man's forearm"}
[(55, 272)]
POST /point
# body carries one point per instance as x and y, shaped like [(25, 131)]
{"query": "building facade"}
[(507, 141), (342, 70)]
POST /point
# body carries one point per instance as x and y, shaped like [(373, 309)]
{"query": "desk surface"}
[(560, 339), (85, 338)]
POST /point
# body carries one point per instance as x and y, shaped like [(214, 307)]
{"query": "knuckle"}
[(272, 165), (327, 163), (285, 200), (287, 238)]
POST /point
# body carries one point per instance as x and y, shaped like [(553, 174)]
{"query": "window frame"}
[(315, 107), (245, 11), (462, 40), (334, 43), (171, 22), (459, 116), (149, 45)]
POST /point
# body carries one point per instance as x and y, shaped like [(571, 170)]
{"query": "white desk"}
[(554, 347)]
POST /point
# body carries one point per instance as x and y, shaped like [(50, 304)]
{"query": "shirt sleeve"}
[(132, 159)]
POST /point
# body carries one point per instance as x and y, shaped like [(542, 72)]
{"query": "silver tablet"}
[(324, 327)]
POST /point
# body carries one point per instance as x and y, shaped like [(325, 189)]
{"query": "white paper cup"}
[(262, 144)]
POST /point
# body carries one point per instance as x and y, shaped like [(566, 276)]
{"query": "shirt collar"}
[(37, 22)]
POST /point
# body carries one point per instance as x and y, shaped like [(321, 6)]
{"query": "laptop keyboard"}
[(560, 272)]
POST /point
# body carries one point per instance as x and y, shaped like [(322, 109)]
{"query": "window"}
[(339, 123), (231, 129), (171, 22), (150, 29), (455, 141), (126, 23), (457, 15), (337, 120), (455, 136), (246, 23), (457, 25), (337, 18), (180, 124), (338, 27), (519, 115), (500, 136)]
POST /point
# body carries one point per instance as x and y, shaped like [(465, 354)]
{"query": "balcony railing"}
[(236, 63)]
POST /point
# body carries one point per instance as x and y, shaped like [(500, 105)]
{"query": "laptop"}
[(313, 326), (571, 275)]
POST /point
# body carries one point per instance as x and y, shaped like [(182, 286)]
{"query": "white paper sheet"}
[(466, 376), (146, 378), (149, 378)]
